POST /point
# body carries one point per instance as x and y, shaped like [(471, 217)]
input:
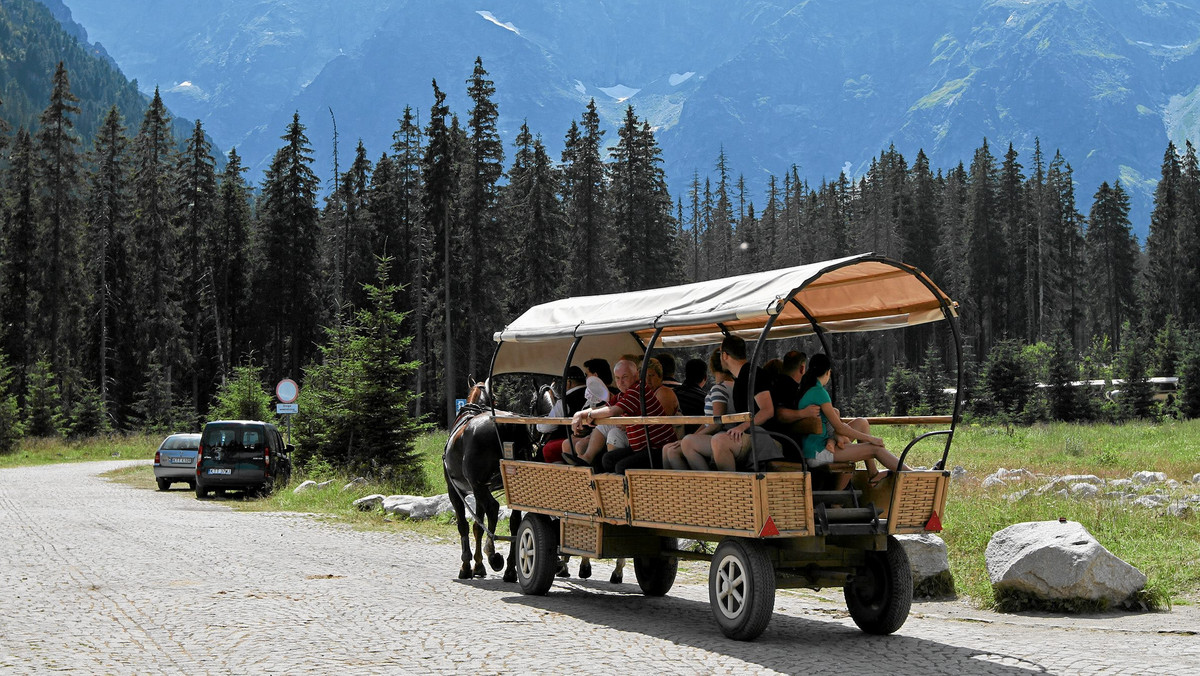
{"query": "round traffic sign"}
[(286, 391)]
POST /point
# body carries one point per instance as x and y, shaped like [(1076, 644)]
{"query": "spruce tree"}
[(1164, 267), (230, 265), (1063, 397), (43, 402), (1136, 396), (60, 262), (242, 396), (107, 239), (18, 261), (198, 214), (288, 267), (641, 209), (482, 229), (1112, 261), (155, 248), (585, 207), (533, 215), (12, 428), (1189, 377), (440, 184), (985, 234)]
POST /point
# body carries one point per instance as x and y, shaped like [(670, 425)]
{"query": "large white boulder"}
[(1083, 490), (416, 506), (1058, 561), (929, 563), (1083, 478)]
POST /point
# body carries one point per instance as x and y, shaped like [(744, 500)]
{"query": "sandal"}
[(574, 460), (879, 477)]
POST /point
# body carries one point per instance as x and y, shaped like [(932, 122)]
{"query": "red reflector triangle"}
[(934, 523), (768, 529)]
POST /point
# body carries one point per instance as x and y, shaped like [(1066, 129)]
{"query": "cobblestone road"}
[(98, 577)]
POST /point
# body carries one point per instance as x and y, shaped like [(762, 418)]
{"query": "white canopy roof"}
[(857, 293)]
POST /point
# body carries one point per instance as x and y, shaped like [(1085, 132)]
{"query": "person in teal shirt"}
[(816, 447)]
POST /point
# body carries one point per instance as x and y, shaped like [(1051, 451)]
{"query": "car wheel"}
[(201, 491), (163, 484), (656, 574), (880, 593), (537, 554), (741, 588)]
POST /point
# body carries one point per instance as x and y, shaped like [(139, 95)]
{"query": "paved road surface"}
[(99, 577)]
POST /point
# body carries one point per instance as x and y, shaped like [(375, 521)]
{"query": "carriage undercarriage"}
[(773, 531)]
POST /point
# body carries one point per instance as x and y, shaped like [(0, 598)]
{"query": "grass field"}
[(1164, 548)]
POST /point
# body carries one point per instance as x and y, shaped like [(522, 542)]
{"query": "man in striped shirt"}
[(645, 441)]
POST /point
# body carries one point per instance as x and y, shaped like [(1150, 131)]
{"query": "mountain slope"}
[(822, 84)]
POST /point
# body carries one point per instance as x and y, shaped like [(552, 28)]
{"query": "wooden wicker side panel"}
[(789, 502), (727, 503), (580, 537), (554, 489), (611, 489), (914, 499)]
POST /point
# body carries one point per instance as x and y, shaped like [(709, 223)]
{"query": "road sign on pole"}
[(286, 391)]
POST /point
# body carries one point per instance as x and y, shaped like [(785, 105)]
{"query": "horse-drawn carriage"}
[(779, 525)]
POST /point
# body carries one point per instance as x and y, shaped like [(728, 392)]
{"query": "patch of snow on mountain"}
[(186, 87), (580, 88), (677, 79), (507, 25), (619, 91)]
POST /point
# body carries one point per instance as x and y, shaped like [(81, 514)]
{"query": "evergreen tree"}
[(1136, 396), (414, 255), (585, 207), (43, 402), (988, 283), (1189, 378), (1168, 349), (107, 239), (482, 229), (932, 376), (242, 396), (288, 272), (1112, 260), (18, 261), (532, 213), (904, 390), (1014, 222), (362, 421), (1007, 382), (60, 262), (641, 209), (89, 414), (440, 184), (1063, 397), (351, 232), (1163, 293), (198, 204), (12, 428), (230, 244), (919, 230), (155, 246)]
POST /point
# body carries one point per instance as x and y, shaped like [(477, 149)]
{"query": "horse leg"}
[(510, 570), (490, 509), (618, 574), (563, 570), (585, 568), (460, 520), (479, 571)]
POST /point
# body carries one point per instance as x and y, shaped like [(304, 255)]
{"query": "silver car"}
[(175, 460)]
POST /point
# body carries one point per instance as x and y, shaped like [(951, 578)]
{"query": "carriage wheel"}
[(741, 588), (537, 554), (880, 594), (656, 574)]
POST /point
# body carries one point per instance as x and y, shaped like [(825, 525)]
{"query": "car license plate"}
[(220, 471), (181, 461)]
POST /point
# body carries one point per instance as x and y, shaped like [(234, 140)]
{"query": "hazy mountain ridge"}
[(819, 83)]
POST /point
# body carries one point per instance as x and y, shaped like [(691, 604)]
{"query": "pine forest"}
[(139, 275)]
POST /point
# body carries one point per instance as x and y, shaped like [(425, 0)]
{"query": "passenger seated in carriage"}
[(573, 401), (822, 449), (644, 441), (733, 446), (695, 449)]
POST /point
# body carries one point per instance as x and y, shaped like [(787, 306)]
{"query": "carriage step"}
[(857, 528), (847, 497), (851, 514)]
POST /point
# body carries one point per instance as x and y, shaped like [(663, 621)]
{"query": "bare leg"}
[(673, 456), (697, 449), (724, 452)]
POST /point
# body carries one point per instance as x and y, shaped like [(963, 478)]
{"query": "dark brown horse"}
[(471, 462)]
